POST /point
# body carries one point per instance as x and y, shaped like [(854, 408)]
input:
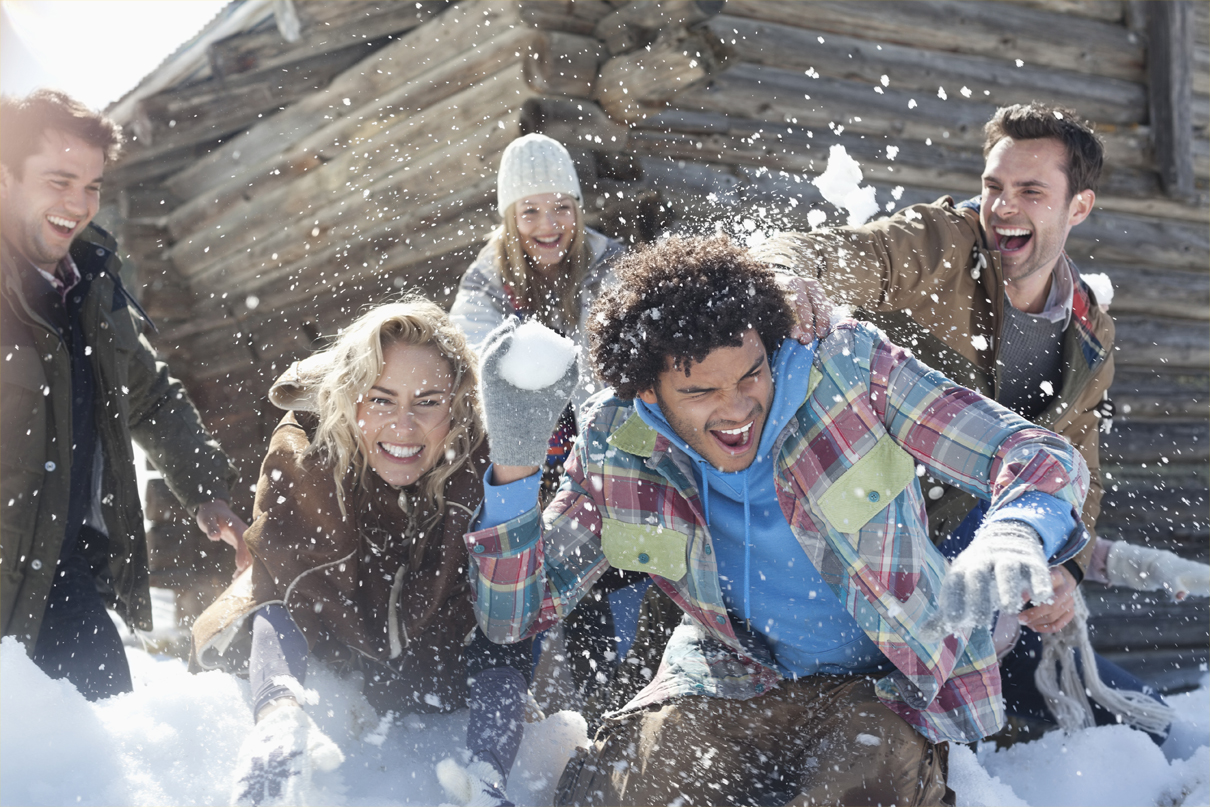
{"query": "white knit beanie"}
[(535, 164)]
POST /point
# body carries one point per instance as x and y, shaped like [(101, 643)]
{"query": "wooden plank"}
[(445, 79), (1169, 61), (631, 85), (266, 50), (1144, 340), (1157, 292), (574, 121), (1166, 508), (1117, 238), (634, 25), (1105, 10), (1133, 442), (354, 171), (573, 16), (1160, 392), (441, 39), (559, 63), (216, 108), (1123, 618), (1001, 30), (991, 81)]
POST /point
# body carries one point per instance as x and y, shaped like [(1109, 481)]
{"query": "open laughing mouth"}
[(1012, 239), (403, 453), (62, 226), (735, 441)]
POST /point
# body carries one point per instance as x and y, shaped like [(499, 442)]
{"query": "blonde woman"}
[(363, 498)]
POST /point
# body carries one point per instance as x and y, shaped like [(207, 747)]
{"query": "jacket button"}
[(100, 252), (873, 496), (720, 619), (709, 551), (49, 466), (35, 564), (478, 549), (644, 557), (760, 688)]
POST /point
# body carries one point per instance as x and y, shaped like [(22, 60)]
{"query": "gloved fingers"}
[(495, 347)]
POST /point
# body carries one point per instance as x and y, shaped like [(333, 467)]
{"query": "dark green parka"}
[(135, 397)]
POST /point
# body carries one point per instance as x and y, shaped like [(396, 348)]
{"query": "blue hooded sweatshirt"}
[(766, 578)]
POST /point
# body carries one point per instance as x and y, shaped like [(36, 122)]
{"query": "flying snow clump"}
[(840, 185)]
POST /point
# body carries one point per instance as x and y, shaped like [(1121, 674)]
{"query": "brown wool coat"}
[(352, 584)]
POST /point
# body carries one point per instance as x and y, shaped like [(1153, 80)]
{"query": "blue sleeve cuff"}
[(503, 503), (1052, 518)]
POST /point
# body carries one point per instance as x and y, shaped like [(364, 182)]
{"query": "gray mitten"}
[(527, 373), (1004, 559)]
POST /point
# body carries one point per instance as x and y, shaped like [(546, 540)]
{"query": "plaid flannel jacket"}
[(847, 485)]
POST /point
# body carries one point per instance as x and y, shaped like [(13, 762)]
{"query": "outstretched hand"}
[(1002, 569), (527, 374), (216, 519)]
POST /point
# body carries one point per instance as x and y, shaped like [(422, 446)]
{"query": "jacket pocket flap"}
[(866, 488), (644, 548), (24, 369)]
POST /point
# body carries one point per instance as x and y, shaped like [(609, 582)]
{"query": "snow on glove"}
[(477, 785), (277, 759), (1004, 560), (526, 376), (1145, 569)]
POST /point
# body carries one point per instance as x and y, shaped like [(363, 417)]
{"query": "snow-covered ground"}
[(174, 740)]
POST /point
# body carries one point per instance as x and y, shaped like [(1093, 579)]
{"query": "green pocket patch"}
[(869, 486), (644, 548)]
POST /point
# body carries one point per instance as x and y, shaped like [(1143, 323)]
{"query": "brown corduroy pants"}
[(818, 740)]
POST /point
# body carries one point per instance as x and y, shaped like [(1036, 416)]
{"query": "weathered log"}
[(1160, 392), (574, 121), (1112, 237), (1142, 341), (458, 29), (264, 50), (630, 86), (1157, 292), (572, 16), (445, 79), (1006, 31), (634, 25), (563, 64), (1168, 62), (1134, 442), (1113, 11), (355, 171), (993, 81), (215, 108)]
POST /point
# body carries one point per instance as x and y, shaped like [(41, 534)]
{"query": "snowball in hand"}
[(537, 357)]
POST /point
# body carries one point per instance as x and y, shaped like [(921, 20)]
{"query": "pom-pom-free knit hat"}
[(534, 164)]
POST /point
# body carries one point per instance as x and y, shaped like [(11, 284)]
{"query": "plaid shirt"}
[(847, 485)]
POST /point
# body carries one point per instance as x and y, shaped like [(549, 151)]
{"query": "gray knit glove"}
[(527, 373), (1004, 559)]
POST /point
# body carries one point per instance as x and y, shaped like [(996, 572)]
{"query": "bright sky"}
[(96, 50)]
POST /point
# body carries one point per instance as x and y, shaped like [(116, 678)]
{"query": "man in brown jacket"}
[(78, 381), (984, 292)]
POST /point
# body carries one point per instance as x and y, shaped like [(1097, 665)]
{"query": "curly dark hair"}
[(680, 299)]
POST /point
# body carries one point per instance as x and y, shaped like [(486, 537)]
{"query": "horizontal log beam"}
[(1157, 292), (634, 25), (1160, 392), (572, 16), (630, 86), (1006, 31)]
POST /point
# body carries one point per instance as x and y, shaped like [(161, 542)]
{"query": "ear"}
[(1081, 205), (647, 396)]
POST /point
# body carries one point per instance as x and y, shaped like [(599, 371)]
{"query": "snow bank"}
[(174, 740), (537, 357)]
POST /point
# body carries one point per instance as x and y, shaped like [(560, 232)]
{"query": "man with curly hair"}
[(769, 488)]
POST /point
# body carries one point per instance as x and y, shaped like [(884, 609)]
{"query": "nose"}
[(405, 422), (736, 406), (75, 202), (1003, 204)]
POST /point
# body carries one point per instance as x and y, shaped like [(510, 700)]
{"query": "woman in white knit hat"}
[(543, 263)]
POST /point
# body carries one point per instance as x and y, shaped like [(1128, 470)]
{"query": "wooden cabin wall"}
[(303, 182)]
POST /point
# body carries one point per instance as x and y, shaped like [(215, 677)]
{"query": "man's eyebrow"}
[(1025, 183), (698, 390), (59, 172)]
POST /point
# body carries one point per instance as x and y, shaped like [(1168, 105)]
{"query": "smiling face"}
[(1026, 213), (546, 223), (53, 200), (405, 416), (720, 407)]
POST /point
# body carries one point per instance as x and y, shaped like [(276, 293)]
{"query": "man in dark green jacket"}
[(78, 381)]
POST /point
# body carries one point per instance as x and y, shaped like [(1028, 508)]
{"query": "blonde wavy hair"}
[(549, 302), (355, 361)]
